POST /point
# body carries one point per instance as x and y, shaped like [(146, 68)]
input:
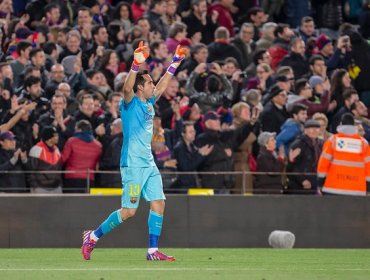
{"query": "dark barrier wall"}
[(215, 221)]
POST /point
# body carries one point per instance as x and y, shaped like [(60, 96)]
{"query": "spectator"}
[(45, 156), (307, 28), (220, 159), (198, 55), (33, 93), (189, 157), (340, 80), (86, 112), (177, 33), (338, 58), (350, 96), (267, 36), (109, 65), (296, 58), (81, 154), (243, 154), (123, 14), (219, 91), (139, 7), (323, 120), (361, 61), (12, 160), (304, 155), (164, 103), (317, 67), (57, 76), (201, 27), (154, 16), (58, 118), (344, 167), (269, 161), (224, 19), (110, 159), (260, 56), (292, 128), (18, 65), (245, 44), (220, 49), (280, 45), (257, 17), (37, 57), (304, 94), (274, 114), (360, 113)]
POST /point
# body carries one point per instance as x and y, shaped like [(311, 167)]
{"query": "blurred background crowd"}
[(265, 83)]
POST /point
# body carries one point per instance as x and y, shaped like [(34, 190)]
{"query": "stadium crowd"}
[(265, 83)]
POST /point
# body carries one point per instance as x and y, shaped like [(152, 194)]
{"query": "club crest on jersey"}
[(133, 199), (149, 109)]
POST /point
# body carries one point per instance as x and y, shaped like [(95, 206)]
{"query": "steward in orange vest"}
[(344, 164)]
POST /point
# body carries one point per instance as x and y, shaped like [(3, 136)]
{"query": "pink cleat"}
[(158, 256), (87, 245)]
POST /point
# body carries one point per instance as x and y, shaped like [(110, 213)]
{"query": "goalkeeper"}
[(140, 175)]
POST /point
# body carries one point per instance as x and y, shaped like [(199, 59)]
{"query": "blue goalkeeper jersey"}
[(137, 126)]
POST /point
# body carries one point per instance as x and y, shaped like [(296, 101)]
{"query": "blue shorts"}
[(137, 182)]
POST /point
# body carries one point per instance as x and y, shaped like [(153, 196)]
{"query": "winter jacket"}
[(44, 158), (81, 152), (305, 162), (267, 161), (290, 130), (12, 182)]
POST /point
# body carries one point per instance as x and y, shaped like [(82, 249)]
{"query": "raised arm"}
[(178, 57), (140, 55)]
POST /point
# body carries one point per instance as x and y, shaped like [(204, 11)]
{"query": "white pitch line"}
[(179, 269)]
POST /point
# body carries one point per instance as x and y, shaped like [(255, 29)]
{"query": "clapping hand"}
[(205, 150)]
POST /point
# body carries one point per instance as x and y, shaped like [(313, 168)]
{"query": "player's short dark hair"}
[(49, 47), (196, 48), (31, 80), (306, 19), (113, 94), (22, 46), (299, 85), (348, 92), (315, 58), (347, 119), (280, 29), (140, 80), (153, 3), (85, 96), (186, 124), (90, 73), (298, 107), (35, 51), (258, 55), (84, 126)]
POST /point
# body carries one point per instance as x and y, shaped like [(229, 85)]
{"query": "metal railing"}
[(88, 172)]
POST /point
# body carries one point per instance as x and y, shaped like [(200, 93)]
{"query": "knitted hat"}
[(322, 41), (274, 91), (48, 132), (23, 33), (315, 80), (211, 115), (8, 135)]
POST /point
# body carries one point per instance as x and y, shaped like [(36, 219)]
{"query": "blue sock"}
[(113, 221), (155, 221)]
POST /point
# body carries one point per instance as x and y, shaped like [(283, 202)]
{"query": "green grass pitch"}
[(190, 264)]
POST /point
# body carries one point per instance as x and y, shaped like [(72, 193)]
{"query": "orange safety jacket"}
[(345, 164)]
